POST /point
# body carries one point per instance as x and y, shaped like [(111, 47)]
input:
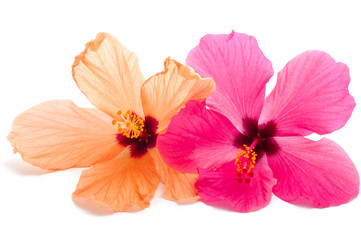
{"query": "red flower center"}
[(256, 140), (137, 133)]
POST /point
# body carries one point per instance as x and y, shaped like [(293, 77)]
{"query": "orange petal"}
[(123, 183), (164, 94), (59, 135), (178, 186), (109, 75)]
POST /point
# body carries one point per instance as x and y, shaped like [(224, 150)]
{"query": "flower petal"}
[(59, 135), (240, 71), (123, 183), (198, 137), (318, 174), (164, 94), (221, 188), (311, 95), (109, 75), (179, 186)]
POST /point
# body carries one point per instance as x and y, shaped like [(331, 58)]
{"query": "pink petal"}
[(220, 187), (59, 135), (318, 174), (197, 137), (240, 71), (311, 95)]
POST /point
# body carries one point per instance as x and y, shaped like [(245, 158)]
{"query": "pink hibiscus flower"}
[(245, 147)]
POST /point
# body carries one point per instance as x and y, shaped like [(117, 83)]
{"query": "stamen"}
[(130, 124), (245, 161)]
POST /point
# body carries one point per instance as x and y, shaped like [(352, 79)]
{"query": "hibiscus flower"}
[(245, 147), (118, 139)]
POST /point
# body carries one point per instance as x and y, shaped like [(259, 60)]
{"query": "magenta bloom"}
[(245, 147)]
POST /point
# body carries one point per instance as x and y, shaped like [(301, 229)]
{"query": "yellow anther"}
[(246, 159), (130, 124)]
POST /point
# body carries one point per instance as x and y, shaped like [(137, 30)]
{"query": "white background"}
[(38, 43)]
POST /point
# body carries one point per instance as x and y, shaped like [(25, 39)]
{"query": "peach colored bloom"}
[(118, 139)]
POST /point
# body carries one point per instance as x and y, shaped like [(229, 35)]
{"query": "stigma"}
[(130, 124)]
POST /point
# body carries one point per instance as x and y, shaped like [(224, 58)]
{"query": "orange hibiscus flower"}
[(118, 139)]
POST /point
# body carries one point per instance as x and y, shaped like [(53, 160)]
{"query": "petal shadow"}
[(92, 207), (23, 168)]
